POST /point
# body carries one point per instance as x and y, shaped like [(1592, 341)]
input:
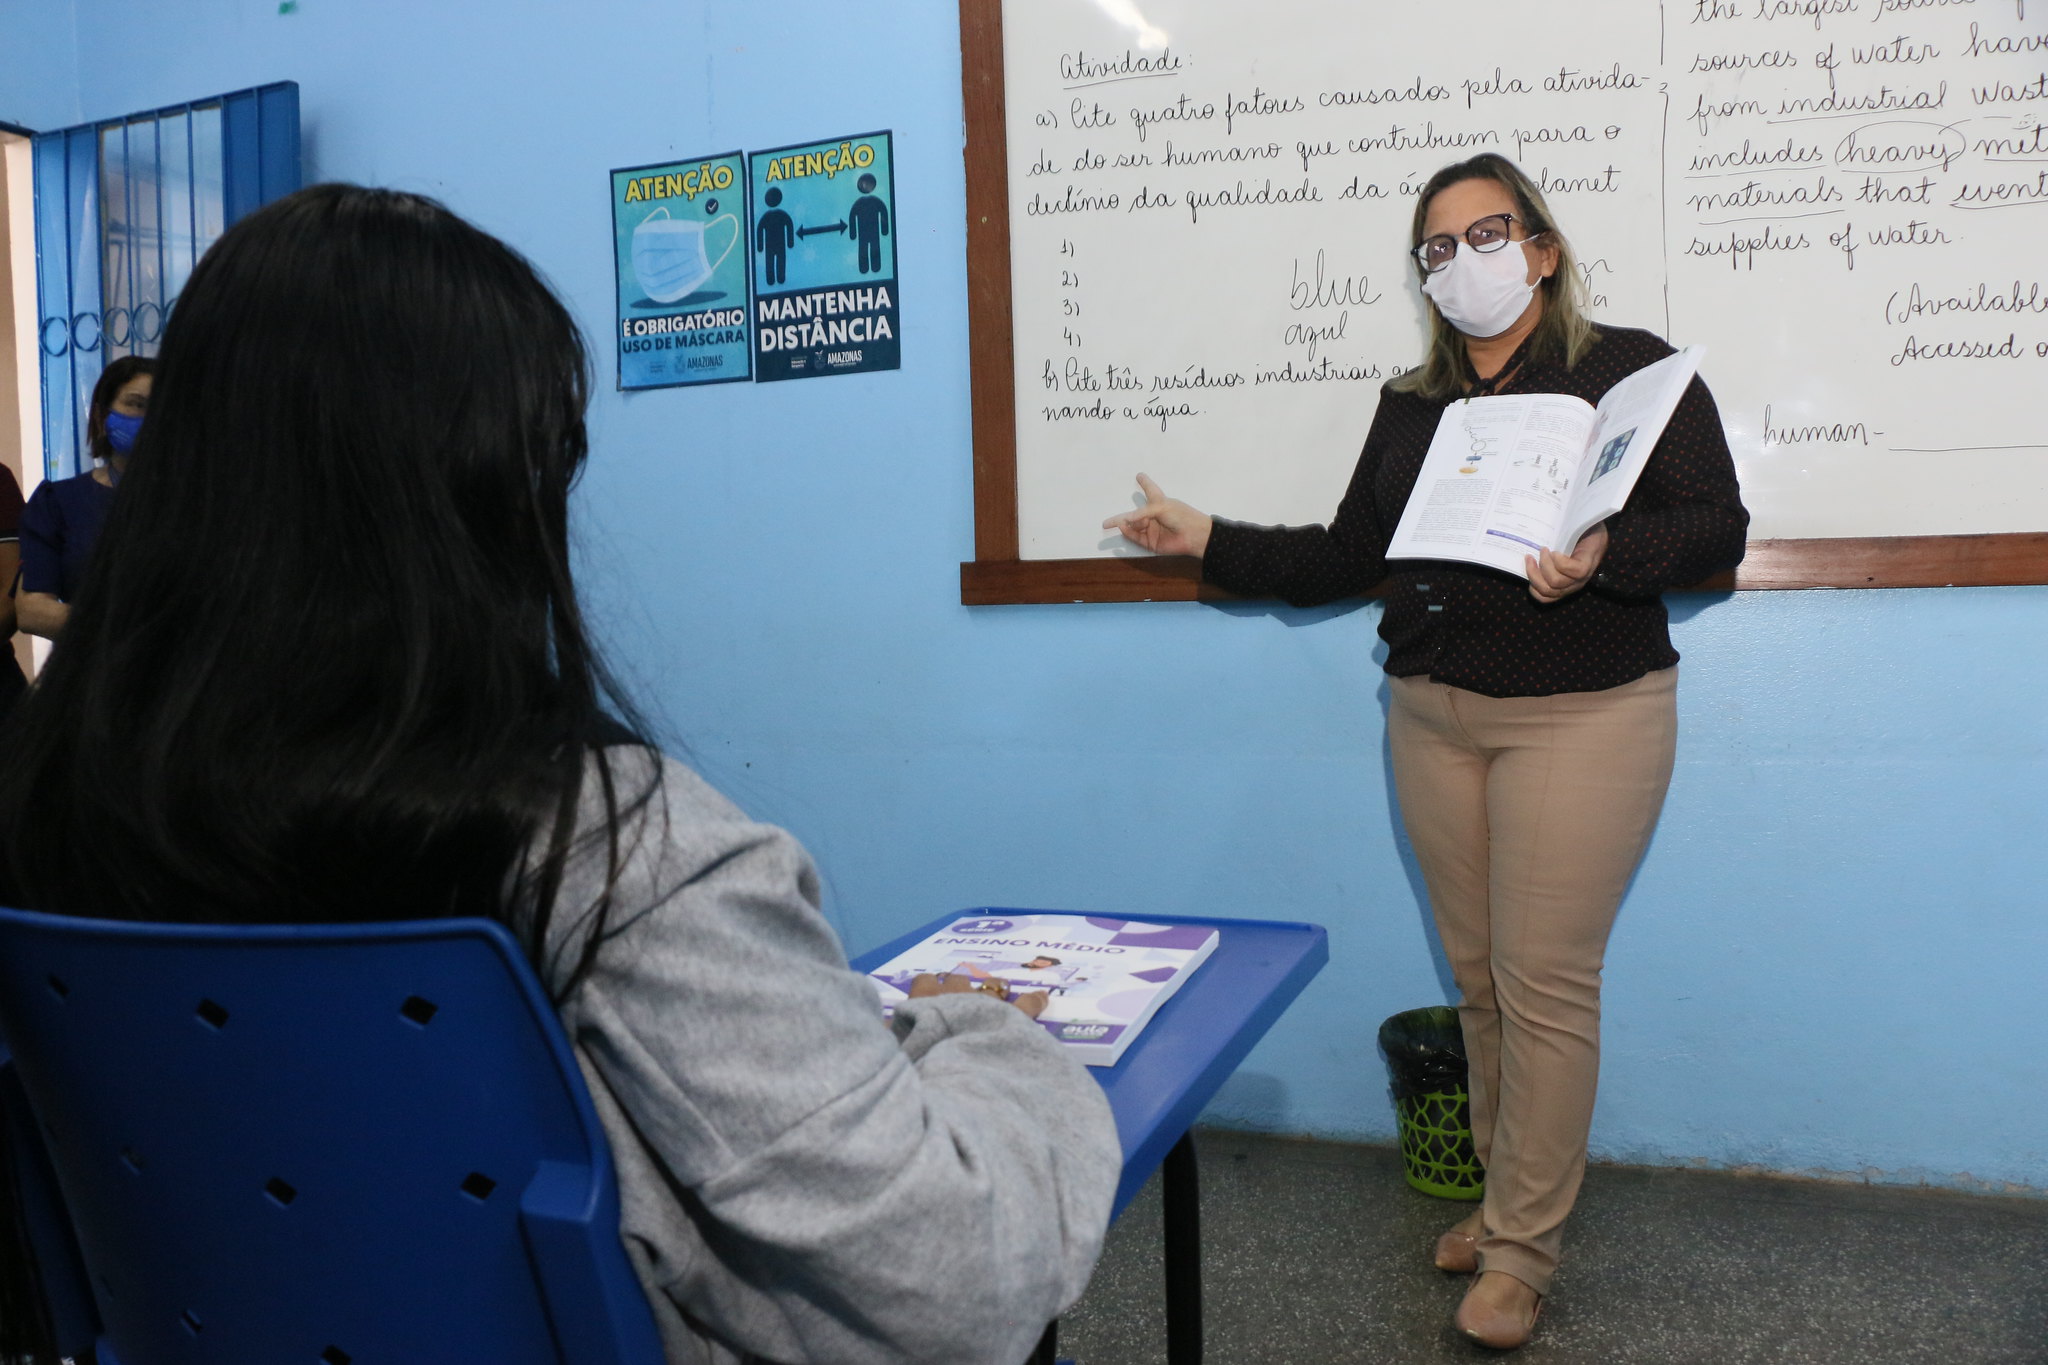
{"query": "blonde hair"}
[(1563, 334)]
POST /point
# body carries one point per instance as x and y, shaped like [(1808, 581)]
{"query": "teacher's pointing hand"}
[(1164, 525)]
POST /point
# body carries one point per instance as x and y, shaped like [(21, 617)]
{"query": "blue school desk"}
[(1173, 1070)]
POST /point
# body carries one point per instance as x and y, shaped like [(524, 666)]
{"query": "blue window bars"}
[(124, 208)]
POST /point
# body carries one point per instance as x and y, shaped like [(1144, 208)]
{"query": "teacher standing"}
[(1531, 725)]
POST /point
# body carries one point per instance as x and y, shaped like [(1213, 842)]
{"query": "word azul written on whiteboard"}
[(1843, 200)]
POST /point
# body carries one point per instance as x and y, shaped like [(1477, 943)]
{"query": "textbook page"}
[(1633, 415), (1493, 486)]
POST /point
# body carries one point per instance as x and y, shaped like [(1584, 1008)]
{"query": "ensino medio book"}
[(1104, 978)]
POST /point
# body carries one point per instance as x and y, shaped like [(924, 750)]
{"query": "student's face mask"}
[(1481, 293), (121, 431)]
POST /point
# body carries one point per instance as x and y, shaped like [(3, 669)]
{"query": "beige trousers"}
[(1528, 816)]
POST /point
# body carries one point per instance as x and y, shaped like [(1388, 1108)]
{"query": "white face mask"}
[(1481, 293)]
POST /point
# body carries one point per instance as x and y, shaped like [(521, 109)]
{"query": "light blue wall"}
[(38, 63), (1831, 961)]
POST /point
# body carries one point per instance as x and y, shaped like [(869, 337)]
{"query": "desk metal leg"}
[(1181, 1190), (1048, 1346)]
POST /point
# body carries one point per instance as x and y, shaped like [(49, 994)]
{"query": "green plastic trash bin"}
[(1425, 1052)]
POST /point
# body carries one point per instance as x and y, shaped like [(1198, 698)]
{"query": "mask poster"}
[(678, 230), (824, 258)]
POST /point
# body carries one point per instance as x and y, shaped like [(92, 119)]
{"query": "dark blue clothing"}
[(11, 681), (59, 527)]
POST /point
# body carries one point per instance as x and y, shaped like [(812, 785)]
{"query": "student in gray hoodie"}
[(372, 696)]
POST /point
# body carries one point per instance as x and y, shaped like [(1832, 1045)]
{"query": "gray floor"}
[(1317, 1254)]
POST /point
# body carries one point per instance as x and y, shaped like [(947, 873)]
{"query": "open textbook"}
[(1104, 978), (1508, 475)]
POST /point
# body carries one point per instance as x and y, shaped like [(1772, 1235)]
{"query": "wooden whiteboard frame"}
[(997, 575)]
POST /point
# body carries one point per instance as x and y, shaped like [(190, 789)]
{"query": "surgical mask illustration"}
[(1481, 293), (669, 255)]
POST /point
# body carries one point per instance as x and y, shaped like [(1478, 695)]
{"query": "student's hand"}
[(945, 983), (1164, 525), (1553, 577), (960, 983), (1033, 1002)]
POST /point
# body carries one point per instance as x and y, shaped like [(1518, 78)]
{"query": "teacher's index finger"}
[(1151, 489)]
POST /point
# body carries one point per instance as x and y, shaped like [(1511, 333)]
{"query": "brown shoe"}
[(1481, 1320), (1457, 1251)]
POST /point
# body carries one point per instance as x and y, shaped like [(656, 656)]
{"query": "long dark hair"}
[(105, 389), (328, 663), (1564, 332)]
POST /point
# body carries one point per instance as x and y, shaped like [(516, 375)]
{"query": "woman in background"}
[(11, 679), (62, 522), (1531, 724), (372, 697)]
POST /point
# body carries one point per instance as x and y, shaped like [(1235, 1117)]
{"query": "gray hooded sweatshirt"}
[(799, 1182)]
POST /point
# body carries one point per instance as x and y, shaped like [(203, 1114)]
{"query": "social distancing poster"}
[(778, 265), (825, 258)]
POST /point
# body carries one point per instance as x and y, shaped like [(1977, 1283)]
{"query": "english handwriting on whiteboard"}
[(1812, 433), (2019, 299), (1326, 289)]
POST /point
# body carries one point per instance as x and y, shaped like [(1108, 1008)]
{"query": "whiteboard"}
[(1844, 201)]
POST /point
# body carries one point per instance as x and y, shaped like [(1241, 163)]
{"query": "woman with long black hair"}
[(331, 667)]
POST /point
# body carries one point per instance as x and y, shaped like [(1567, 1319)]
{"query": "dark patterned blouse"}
[(1478, 628)]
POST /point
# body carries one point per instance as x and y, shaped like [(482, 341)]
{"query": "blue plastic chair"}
[(331, 1144), (27, 1165)]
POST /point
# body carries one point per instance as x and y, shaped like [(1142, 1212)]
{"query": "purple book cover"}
[(1103, 978)]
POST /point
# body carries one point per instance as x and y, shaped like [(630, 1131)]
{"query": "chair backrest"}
[(320, 1144), (25, 1164)]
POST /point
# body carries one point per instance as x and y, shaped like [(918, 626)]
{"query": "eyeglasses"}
[(1488, 234)]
